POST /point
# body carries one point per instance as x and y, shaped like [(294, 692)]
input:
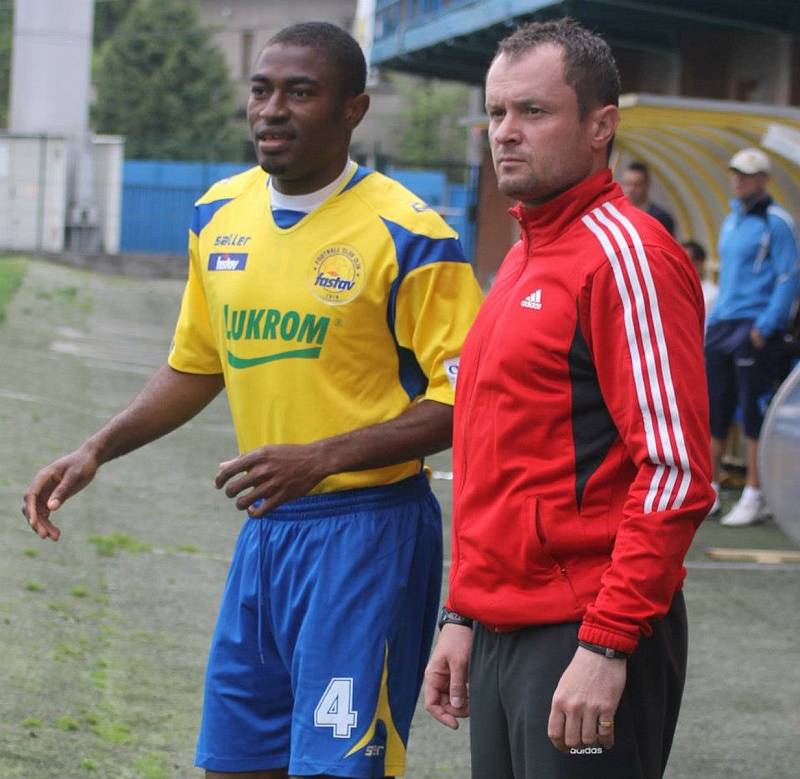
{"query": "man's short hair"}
[(695, 250), (589, 66), (341, 49), (639, 167)]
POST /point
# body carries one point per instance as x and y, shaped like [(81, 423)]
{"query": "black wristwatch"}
[(612, 654), (453, 618)]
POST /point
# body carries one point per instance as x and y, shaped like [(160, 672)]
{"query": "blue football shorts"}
[(323, 634), (740, 376)]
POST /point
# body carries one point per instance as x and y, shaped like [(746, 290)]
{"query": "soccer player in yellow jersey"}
[(331, 304)]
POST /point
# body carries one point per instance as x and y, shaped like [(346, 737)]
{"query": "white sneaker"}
[(747, 511)]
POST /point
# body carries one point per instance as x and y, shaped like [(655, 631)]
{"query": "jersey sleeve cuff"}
[(184, 366), (594, 634), (442, 394)]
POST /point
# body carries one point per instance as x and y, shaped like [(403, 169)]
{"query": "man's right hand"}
[(53, 485), (446, 687)]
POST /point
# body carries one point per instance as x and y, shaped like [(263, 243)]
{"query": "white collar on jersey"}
[(307, 203)]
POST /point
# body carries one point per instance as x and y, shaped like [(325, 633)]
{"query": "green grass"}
[(152, 766), (34, 587), (67, 723), (12, 271), (113, 732), (108, 546)]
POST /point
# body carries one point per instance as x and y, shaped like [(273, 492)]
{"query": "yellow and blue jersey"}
[(335, 323)]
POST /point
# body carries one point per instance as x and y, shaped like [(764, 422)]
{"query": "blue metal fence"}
[(453, 201), (157, 200)]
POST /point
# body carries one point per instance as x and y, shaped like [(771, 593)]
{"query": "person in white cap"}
[(758, 283)]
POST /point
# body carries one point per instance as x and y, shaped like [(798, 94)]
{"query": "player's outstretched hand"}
[(585, 701), (445, 689), (52, 486), (272, 474)]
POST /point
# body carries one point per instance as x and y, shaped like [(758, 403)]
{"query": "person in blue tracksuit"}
[(758, 287)]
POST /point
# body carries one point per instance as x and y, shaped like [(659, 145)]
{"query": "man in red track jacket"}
[(581, 466)]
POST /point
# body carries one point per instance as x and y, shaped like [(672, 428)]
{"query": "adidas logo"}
[(534, 300)]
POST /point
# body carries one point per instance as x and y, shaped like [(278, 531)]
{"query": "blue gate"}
[(157, 201)]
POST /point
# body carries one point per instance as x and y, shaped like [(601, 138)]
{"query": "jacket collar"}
[(546, 222), (756, 207)]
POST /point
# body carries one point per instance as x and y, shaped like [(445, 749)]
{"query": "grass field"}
[(12, 269), (103, 635)]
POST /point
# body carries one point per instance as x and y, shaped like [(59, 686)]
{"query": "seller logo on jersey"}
[(337, 275), (227, 261)]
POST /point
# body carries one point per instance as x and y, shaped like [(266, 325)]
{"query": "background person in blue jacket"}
[(758, 283)]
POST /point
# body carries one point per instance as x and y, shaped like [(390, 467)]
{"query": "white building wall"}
[(33, 193), (51, 66), (108, 153)]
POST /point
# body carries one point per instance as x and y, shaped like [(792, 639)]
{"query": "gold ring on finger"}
[(606, 723)]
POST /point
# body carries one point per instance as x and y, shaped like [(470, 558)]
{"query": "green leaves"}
[(429, 124), (163, 84)]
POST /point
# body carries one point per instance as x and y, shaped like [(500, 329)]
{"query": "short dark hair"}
[(589, 66), (332, 42), (639, 167), (695, 250)]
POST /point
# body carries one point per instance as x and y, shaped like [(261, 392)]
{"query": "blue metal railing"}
[(392, 15)]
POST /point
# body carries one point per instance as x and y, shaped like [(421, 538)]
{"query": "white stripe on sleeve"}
[(663, 353)]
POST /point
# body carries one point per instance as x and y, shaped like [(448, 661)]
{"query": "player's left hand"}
[(757, 339), (446, 688), (272, 474), (587, 695)]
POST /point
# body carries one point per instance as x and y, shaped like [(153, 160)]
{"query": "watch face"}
[(445, 616)]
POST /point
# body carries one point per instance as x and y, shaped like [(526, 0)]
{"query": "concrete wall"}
[(108, 156), (33, 192), (749, 67), (50, 67)]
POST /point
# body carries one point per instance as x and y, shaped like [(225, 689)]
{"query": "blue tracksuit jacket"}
[(759, 279)]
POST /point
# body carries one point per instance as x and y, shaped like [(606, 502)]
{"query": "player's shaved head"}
[(334, 43)]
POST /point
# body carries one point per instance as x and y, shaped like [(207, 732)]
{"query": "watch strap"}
[(450, 617), (612, 654)]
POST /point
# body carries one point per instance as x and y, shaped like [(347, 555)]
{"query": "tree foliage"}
[(429, 129), (6, 26), (108, 15), (163, 85)]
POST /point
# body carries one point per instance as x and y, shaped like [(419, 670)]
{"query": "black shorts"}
[(512, 680), (740, 375)]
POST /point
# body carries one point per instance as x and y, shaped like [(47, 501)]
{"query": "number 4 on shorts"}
[(335, 708)]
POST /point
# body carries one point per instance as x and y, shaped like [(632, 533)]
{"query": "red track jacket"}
[(581, 443)]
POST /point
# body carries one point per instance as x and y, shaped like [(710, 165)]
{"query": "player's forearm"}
[(166, 402), (423, 429)]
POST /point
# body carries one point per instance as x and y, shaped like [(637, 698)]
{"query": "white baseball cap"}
[(750, 161)]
